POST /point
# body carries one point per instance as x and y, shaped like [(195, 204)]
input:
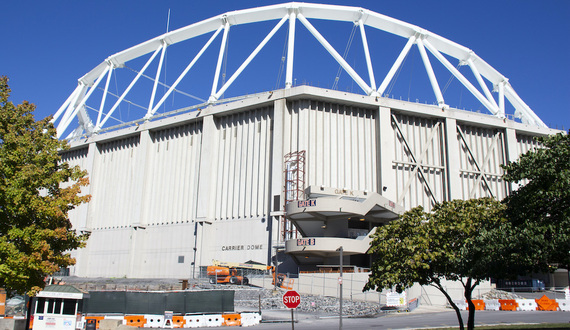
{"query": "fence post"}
[(312, 276), (323, 283), (351, 281)]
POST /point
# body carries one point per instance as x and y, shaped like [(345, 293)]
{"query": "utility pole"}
[(340, 296)]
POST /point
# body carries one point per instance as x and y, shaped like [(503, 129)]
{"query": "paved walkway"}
[(284, 315)]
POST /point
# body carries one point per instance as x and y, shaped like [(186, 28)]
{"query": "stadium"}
[(299, 170)]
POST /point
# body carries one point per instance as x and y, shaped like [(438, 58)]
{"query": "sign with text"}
[(305, 241), (307, 203), (395, 299), (291, 299)]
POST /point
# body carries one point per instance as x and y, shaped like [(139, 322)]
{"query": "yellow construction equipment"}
[(222, 272)]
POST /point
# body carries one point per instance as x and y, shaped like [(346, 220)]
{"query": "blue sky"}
[(48, 45)]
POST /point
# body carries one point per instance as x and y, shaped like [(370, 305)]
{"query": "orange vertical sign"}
[(2, 301)]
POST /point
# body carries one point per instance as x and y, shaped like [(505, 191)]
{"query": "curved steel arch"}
[(75, 105)]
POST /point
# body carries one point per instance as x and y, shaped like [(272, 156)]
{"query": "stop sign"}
[(291, 299)]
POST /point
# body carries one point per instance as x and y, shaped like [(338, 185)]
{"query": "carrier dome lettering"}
[(242, 247)]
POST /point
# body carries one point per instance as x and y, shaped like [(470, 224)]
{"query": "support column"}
[(141, 175), (206, 192), (452, 158), (385, 154), (206, 176), (85, 212), (511, 152), (276, 184), (138, 221)]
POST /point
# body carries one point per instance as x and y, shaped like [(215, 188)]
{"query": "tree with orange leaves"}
[(37, 190)]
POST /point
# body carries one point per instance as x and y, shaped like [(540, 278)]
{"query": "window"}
[(57, 306), (51, 302), (40, 305), (180, 259), (69, 306)]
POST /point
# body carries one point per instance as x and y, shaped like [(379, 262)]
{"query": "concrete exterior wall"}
[(339, 140), (327, 284), (209, 184)]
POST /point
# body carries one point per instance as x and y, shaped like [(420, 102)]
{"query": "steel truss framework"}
[(75, 105)]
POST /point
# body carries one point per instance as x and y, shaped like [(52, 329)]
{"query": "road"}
[(418, 320)]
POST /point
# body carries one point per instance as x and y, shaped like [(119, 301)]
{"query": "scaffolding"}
[(294, 188)]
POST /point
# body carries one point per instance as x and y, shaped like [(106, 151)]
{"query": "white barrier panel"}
[(214, 320), (115, 317), (195, 321), (492, 304), (154, 321), (250, 319), (461, 304), (526, 304), (564, 304)]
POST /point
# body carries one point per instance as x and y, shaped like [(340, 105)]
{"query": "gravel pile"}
[(498, 294), (253, 298)]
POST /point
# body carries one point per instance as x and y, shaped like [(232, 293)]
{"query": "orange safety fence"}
[(546, 304), (508, 304), (232, 319)]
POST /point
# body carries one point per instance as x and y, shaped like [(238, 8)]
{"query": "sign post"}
[(292, 299)]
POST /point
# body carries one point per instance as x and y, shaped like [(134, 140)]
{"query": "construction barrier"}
[(563, 304), (508, 304), (178, 321), (479, 304), (526, 304), (250, 319), (195, 321), (461, 304), (135, 320), (154, 321), (546, 304), (214, 320), (492, 304), (96, 318), (233, 319)]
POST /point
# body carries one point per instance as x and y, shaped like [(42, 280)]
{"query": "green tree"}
[(540, 209), (457, 241), (36, 192)]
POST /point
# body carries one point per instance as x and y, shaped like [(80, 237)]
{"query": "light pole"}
[(340, 296)]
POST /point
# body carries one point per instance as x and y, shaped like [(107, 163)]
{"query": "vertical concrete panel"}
[(337, 140), (242, 182), (172, 172), (114, 185), (82, 157)]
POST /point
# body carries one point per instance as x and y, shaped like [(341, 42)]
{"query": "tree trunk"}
[(457, 311), (468, 292)]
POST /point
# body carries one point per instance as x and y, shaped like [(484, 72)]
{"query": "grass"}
[(518, 326)]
